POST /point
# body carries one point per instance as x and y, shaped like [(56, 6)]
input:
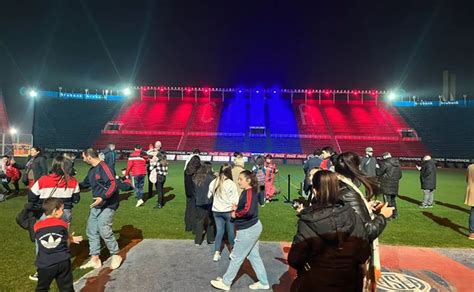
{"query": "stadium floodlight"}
[(392, 96), (127, 91), (33, 93), (13, 131)]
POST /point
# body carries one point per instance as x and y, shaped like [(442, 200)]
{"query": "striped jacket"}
[(136, 164), (68, 191), (102, 184)]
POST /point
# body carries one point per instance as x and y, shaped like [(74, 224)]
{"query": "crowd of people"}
[(335, 245)]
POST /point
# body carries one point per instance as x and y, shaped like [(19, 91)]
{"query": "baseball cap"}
[(386, 155), (369, 149)]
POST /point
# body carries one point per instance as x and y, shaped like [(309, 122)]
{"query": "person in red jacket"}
[(11, 174), (137, 166)]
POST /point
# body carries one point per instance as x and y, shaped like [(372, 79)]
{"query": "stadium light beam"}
[(33, 93), (13, 131), (392, 96), (127, 91)]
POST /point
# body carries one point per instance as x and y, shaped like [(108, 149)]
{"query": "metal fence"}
[(17, 145)]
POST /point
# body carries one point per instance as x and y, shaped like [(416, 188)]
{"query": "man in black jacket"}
[(390, 174), (368, 162), (428, 181)]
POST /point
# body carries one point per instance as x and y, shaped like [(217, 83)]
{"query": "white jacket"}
[(228, 196)]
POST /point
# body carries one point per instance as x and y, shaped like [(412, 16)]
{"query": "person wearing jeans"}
[(137, 166), (225, 195), (223, 224), (249, 228), (428, 199), (105, 193), (139, 183), (99, 225)]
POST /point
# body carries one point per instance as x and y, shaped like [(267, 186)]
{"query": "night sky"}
[(291, 44)]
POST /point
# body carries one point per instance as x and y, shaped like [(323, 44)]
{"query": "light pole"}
[(465, 99)]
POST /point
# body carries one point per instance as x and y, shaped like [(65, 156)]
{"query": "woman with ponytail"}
[(58, 184), (249, 228), (224, 192), (372, 213)]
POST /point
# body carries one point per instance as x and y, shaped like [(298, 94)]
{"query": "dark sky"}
[(292, 44)]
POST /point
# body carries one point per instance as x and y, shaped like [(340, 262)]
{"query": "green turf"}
[(443, 226)]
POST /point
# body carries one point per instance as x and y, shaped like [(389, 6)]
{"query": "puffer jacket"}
[(374, 227), (428, 175), (390, 174), (328, 250)]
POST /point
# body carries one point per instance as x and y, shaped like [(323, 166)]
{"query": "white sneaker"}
[(258, 286), (140, 203), (231, 255), (116, 261), (92, 264), (34, 277), (217, 256), (219, 284)]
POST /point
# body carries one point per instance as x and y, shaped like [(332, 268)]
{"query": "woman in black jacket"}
[(190, 213), (204, 218), (350, 177), (36, 166), (372, 213), (331, 244)]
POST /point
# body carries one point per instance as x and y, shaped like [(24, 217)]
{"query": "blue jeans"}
[(471, 221), (223, 223), (246, 246), (99, 225), (139, 182)]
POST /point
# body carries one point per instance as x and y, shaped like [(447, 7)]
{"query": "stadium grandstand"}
[(259, 121)]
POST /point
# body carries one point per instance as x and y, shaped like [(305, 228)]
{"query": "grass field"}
[(443, 226)]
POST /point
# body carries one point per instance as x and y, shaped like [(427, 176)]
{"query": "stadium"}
[(422, 248)]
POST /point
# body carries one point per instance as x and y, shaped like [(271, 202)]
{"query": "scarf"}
[(372, 266)]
